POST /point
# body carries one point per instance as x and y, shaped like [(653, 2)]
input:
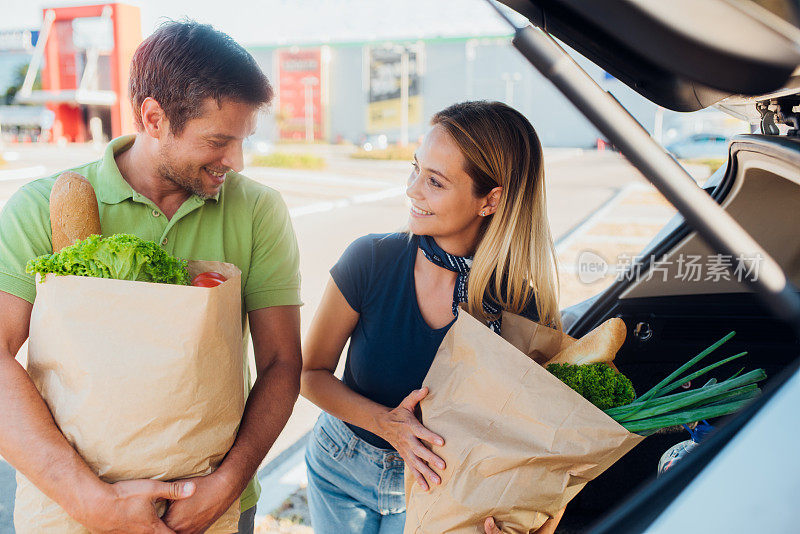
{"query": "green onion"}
[(737, 373), (677, 383), (689, 416), (692, 401), (751, 393), (658, 408), (638, 404), (683, 399), (655, 389), (624, 412), (699, 395)]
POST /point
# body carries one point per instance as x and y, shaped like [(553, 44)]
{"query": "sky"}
[(268, 22)]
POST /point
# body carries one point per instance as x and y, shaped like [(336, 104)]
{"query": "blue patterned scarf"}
[(460, 265)]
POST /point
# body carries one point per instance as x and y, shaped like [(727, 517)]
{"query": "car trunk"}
[(668, 322), (685, 56)]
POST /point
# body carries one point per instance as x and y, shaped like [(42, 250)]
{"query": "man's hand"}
[(211, 499), (33, 444), (129, 507), (276, 346)]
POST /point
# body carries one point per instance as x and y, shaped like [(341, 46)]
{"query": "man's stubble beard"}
[(182, 177)]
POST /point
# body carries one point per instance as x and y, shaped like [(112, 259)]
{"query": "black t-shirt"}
[(391, 347)]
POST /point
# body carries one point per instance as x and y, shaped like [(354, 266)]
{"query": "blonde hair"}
[(515, 255)]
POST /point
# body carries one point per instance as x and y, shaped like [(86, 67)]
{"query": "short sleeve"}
[(352, 273), (274, 276), (24, 234)]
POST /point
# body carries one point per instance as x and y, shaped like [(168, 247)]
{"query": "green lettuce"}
[(120, 256)]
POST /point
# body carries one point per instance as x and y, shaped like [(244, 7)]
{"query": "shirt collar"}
[(112, 188)]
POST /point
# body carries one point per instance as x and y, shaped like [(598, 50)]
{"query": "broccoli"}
[(596, 382)]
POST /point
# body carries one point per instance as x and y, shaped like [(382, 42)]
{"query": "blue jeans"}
[(353, 487)]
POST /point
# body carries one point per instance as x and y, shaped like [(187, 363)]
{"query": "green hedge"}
[(288, 160), (712, 163), (393, 152)]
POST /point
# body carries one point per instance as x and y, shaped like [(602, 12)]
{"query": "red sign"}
[(300, 115)]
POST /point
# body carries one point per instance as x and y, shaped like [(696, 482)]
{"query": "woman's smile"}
[(419, 212)]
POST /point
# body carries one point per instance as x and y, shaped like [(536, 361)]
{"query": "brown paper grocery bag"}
[(519, 444), (144, 380)]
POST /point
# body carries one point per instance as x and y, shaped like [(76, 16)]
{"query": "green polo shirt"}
[(246, 224)]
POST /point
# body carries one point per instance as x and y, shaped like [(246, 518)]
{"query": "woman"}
[(477, 233)]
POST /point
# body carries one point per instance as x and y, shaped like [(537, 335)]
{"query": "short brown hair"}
[(184, 63)]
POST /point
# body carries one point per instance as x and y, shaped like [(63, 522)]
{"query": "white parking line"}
[(561, 154), (22, 174), (599, 214), (637, 220), (317, 177), (321, 207), (620, 239), (299, 211)]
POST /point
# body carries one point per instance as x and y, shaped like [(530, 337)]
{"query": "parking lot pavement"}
[(611, 237), (8, 486), (350, 198)]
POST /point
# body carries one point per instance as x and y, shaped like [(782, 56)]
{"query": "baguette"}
[(599, 345), (74, 213)]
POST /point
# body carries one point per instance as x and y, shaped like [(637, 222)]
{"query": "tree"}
[(19, 79)]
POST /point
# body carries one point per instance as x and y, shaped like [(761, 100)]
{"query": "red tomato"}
[(208, 279), (213, 274), (206, 282)]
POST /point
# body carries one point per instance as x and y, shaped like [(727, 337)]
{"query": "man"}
[(195, 95)]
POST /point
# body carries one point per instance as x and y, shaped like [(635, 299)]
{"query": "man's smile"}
[(217, 176)]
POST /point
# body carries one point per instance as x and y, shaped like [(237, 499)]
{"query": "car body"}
[(686, 56)]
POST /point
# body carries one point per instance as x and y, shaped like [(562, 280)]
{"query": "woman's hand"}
[(489, 526), (549, 527), (401, 428)]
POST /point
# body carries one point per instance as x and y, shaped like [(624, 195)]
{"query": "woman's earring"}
[(483, 213)]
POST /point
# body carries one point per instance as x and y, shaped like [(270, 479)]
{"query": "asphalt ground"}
[(597, 202)]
